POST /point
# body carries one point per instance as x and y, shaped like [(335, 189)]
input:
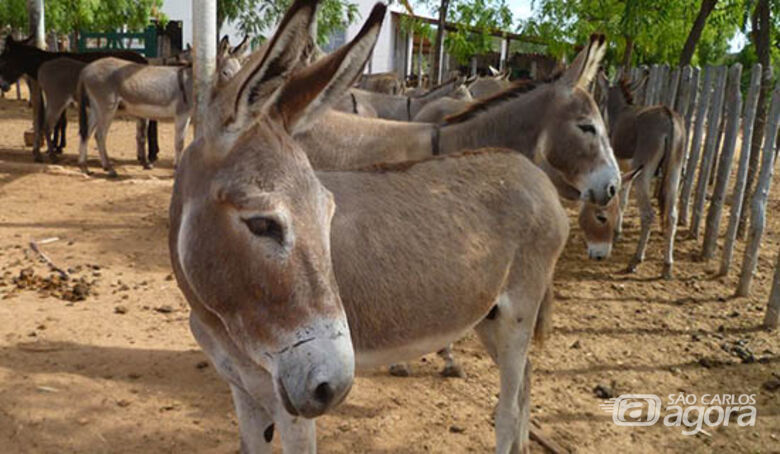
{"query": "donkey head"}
[(10, 68), (601, 224), (230, 59), (253, 239), (575, 142)]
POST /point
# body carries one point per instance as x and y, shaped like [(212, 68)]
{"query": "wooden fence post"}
[(713, 123), (751, 102), (691, 109), (695, 148), (758, 201), (641, 93), (670, 100), (734, 107), (652, 85)]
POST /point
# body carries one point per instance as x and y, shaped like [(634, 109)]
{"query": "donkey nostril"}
[(611, 190), (324, 393)]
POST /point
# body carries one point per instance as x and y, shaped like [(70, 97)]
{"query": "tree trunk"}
[(698, 26), (627, 54), (439, 49), (760, 38)]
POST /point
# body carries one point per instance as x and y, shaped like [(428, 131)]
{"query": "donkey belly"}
[(151, 111), (413, 349)]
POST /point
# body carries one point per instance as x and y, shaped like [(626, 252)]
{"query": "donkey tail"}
[(544, 317), (667, 161), (81, 95)]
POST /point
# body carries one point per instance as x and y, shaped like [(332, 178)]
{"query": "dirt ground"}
[(118, 370)]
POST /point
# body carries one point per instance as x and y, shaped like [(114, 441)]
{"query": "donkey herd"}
[(318, 227)]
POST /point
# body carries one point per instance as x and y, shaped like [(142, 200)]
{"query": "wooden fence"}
[(710, 101)]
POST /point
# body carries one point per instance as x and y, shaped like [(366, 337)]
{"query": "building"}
[(395, 49)]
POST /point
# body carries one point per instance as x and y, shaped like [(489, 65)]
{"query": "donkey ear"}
[(315, 88), (263, 75), (224, 46), (241, 48), (629, 176), (584, 67)]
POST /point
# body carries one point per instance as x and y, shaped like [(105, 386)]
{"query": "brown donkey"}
[(473, 235), (651, 139)]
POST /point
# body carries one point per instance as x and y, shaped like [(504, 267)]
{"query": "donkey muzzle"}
[(316, 373)]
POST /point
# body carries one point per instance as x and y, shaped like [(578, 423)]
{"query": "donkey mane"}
[(626, 90), (403, 166), (517, 89)]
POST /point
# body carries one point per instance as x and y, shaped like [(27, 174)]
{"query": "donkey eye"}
[(265, 227), (601, 218), (587, 128)]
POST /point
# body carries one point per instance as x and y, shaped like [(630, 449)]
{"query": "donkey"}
[(653, 139), (485, 87), (394, 107), (254, 233), (156, 92), (19, 58), (556, 123), (388, 83)]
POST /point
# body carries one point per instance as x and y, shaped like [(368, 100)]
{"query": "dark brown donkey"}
[(19, 58)]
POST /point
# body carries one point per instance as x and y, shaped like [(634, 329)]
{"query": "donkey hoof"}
[(147, 165), (667, 271), (38, 157), (86, 171), (112, 173), (53, 157), (453, 371), (631, 268), (399, 370)]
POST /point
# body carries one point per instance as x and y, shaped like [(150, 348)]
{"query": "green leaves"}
[(658, 28), (475, 20), (64, 16), (257, 17)]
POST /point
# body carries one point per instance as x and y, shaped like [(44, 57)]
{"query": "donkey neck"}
[(516, 123), (29, 59)]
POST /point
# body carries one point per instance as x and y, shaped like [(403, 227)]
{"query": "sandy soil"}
[(119, 371)]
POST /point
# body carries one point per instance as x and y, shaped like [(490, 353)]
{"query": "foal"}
[(648, 138)]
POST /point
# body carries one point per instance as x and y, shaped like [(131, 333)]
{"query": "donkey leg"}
[(646, 213), (255, 424), (507, 338), (625, 191), (62, 126), (451, 367), (140, 143), (101, 135), (182, 121), (84, 141), (670, 229), (299, 435)]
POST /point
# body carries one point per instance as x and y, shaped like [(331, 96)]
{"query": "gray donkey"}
[(295, 278), (155, 92), (651, 139), (396, 107)]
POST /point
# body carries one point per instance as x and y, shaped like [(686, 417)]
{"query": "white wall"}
[(382, 59), (182, 10)]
